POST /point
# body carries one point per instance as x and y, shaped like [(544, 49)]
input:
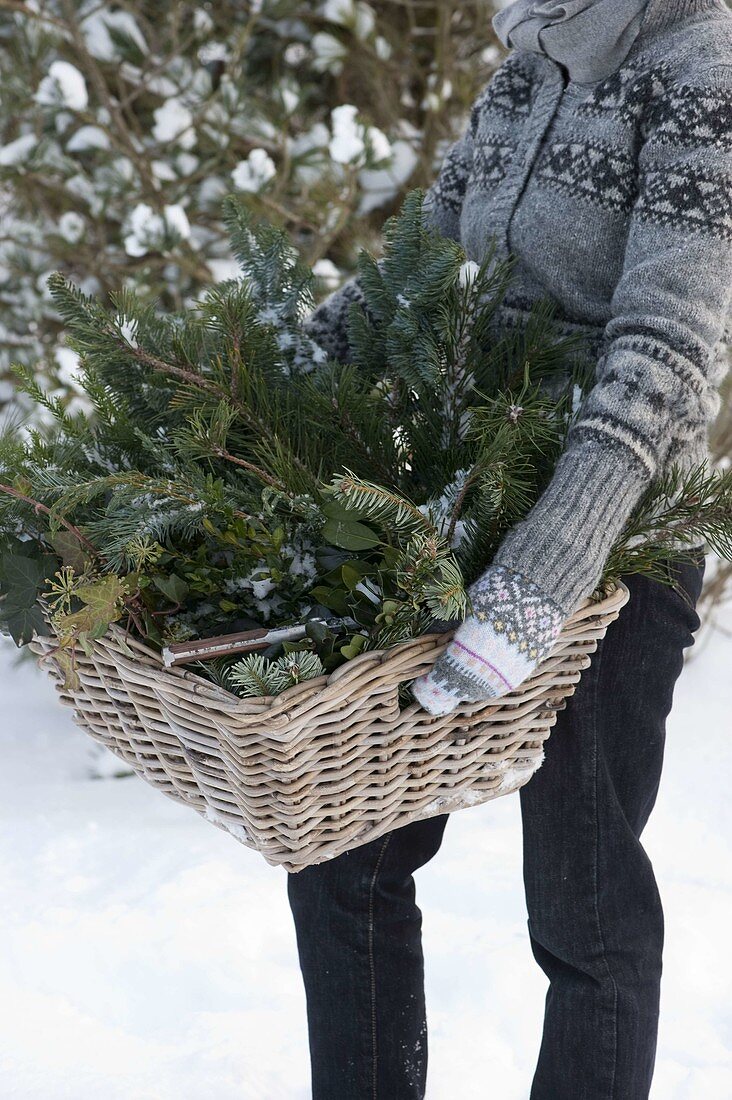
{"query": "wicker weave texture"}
[(332, 763)]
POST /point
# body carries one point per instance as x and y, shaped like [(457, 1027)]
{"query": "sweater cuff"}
[(563, 543)]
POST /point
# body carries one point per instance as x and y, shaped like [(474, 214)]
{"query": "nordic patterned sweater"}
[(615, 198)]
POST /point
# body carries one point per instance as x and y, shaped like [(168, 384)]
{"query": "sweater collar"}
[(661, 14), (592, 38), (589, 38)]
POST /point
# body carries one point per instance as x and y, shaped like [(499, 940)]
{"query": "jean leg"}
[(359, 937), (595, 916)]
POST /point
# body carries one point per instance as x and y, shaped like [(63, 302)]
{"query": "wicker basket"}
[(332, 763)]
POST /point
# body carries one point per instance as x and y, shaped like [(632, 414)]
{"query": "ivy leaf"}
[(68, 549), (98, 631), (328, 558), (391, 556), (176, 589), (103, 596), (18, 600), (102, 601), (22, 578), (333, 509), (23, 624), (351, 577), (65, 661)]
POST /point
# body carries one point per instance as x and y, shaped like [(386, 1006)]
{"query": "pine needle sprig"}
[(690, 507)]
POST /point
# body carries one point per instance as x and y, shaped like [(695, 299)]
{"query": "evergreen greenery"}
[(231, 476)]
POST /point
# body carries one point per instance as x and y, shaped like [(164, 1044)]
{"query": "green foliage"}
[(231, 476), (22, 578), (255, 675), (81, 610)]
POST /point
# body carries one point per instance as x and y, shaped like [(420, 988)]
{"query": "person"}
[(599, 156)]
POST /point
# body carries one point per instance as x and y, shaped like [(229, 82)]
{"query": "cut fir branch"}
[(428, 572), (93, 331)]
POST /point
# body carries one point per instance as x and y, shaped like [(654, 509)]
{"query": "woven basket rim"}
[(300, 693)]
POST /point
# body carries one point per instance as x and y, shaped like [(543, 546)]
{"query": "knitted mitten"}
[(513, 627)]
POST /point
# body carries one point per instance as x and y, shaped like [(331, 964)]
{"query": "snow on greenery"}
[(145, 230), (86, 138), (468, 273), (103, 30), (354, 14), (16, 152), (173, 123), (347, 144), (64, 85), (330, 53), (328, 273), (253, 173)]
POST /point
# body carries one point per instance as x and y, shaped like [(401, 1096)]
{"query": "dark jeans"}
[(595, 917)]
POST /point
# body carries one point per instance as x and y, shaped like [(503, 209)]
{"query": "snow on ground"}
[(145, 955)]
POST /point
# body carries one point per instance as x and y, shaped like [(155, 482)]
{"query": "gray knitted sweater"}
[(615, 198)]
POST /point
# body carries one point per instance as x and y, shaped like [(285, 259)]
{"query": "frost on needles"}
[(231, 476)]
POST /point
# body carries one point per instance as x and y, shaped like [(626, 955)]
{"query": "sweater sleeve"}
[(328, 324), (658, 377)]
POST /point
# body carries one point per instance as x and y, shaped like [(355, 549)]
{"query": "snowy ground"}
[(144, 955)]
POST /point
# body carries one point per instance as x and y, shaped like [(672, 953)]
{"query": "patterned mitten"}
[(513, 628)]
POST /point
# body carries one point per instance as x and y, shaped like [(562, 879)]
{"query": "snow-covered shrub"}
[(123, 127)]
